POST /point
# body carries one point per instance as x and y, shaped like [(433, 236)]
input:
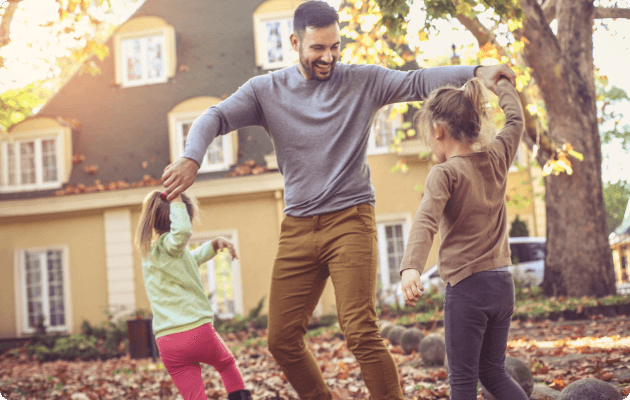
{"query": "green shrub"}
[(324, 320)]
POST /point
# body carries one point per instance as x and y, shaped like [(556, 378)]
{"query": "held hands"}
[(412, 287), (490, 75), (179, 176), (221, 243)]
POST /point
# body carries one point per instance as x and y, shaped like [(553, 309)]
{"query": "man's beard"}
[(311, 70)]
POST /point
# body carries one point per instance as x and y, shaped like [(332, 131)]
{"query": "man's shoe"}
[(240, 395)]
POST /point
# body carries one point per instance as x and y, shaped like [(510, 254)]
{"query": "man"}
[(318, 114)]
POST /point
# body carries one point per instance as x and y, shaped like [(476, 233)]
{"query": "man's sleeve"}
[(401, 86), (237, 111), (425, 224)]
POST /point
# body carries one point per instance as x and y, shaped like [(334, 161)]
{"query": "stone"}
[(590, 389), (395, 335), (433, 350), (520, 372), (411, 339), (542, 392), (384, 329)]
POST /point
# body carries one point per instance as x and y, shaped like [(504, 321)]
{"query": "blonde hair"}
[(155, 218), (462, 112)]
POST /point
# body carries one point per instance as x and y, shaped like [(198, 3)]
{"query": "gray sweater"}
[(319, 129)]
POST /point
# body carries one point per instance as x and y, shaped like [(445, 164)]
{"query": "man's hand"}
[(491, 74), (179, 177), (412, 287), (221, 243)]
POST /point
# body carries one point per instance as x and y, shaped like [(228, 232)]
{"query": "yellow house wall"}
[(395, 193), (83, 234)]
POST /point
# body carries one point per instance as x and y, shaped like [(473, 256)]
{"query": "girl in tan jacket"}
[(465, 198)]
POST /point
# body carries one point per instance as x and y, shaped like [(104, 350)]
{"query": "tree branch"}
[(606, 12), (5, 23)]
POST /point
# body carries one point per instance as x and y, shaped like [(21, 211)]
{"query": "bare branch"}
[(479, 31), (606, 12), (5, 23)]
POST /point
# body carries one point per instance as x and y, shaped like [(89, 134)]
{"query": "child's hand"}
[(412, 287), (221, 243)]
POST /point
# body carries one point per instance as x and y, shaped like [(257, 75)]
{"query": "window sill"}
[(30, 188)]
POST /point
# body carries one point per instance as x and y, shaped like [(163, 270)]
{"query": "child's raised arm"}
[(175, 241), (210, 249), (506, 143)]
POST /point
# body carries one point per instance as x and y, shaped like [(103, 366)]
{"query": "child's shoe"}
[(240, 395)]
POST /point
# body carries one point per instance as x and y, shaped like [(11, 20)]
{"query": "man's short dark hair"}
[(314, 14)]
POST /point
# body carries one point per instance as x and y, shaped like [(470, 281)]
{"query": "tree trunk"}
[(579, 261)]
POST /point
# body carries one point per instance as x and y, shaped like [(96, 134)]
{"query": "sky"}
[(611, 54)]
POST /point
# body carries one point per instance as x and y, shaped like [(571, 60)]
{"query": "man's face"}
[(318, 50)]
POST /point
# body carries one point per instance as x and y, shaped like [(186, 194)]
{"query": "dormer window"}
[(35, 157), (143, 60), (144, 52), (273, 26)]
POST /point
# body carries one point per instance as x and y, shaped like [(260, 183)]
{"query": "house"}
[(72, 177), (620, 245)]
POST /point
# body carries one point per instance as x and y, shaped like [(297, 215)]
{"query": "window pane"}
[(185, 129), (12, 165), (274, 42), (384, 127), (55, 287), (49, 160), (34, 299), (395, 244), (216, 155), (224, 293), (155, 56), (132, 59), (27, 162)]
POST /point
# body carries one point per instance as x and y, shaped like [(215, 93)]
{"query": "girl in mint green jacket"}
[(182, 314)]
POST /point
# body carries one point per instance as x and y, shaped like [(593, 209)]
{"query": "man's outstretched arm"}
[(237, 111)]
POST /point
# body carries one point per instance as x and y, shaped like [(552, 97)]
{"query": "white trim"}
[(119, 259), (21, 306), (289, 55), (134, 196), (237, 284)]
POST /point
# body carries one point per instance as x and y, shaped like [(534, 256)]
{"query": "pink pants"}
[(182, 352)]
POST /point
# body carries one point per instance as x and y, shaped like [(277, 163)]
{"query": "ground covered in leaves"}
[(558, 353)]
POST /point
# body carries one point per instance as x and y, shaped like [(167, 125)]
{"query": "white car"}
[(528, 264)]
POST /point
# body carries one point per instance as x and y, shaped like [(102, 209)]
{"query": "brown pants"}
[(341, 245)]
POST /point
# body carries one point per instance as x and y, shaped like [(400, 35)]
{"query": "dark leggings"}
[(477, 314)]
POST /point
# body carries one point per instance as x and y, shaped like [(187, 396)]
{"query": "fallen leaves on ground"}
[(558, 353)]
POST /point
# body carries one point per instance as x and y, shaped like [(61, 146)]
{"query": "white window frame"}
[(228, 143), (232, 235), (121, 38), (39, 184), (372, 148), (21, 298), (290, 56), (382, 222)]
